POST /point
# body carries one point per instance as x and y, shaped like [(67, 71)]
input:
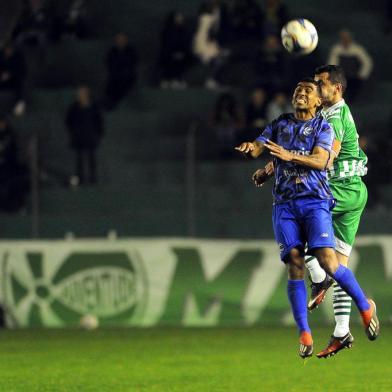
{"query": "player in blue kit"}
[(300, 143)]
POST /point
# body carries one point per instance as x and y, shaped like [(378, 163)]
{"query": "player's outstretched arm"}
[(317, 160), (255, 149)]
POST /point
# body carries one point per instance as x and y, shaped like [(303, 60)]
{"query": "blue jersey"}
[(300, 137)]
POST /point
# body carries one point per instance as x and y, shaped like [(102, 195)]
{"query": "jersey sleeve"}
[(337, 126), (325, 136), (267, 134)]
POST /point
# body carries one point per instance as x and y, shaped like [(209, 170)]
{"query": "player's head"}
[(307, 95), (333, 83)]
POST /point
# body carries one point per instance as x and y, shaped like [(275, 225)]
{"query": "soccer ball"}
[(299, 36), (89, 322)]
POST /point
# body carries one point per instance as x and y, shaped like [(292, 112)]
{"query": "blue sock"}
[(296, 292), (349, 284)]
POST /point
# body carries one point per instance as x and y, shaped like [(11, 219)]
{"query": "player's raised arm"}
[(256, 148)]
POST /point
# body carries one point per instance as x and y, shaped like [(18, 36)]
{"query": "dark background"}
[(148, 183)]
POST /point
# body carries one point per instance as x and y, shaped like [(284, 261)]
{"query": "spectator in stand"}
[(121, 64), (227, 122), (256, 111), (220, 30), (175, 54), (379, 165), (76, 19), (206, 46), (274, 17), (13, 76), (34, 23), (14, 179), (279, 105), (379, 168), (246, 19), (71, 19), (388, 25), (301, 65), (271, 64), (85, 127), (355, 61)]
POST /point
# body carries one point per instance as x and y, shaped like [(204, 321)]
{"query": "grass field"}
[(169, 359)]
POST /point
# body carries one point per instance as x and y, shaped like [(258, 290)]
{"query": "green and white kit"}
[(344, 177)]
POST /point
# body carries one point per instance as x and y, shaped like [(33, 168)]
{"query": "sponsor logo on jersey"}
[(300, 152), (296, 172), (308, 131)]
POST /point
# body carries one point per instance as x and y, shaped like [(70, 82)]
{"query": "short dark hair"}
[(309, 79), (335, 74)]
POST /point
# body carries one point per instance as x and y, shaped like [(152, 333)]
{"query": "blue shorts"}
[(302, 222)]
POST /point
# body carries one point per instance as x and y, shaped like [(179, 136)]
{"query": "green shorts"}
[(351, 197)]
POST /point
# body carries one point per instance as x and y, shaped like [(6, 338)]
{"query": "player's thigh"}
[(349, 196), (347, 217), (342, 259), (345, 228), (295, 263), (317, 223), (287, 230)]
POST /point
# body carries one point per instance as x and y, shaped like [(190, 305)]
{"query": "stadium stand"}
[(142, 184)]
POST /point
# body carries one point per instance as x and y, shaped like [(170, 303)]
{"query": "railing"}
[(190, 179), (34, 185), (190, 182)]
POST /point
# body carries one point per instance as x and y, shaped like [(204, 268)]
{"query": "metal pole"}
[(34, 179), (191, 179)]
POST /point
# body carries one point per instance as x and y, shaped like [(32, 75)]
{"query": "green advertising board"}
[(167, 282)]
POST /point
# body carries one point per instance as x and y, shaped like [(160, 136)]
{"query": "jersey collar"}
[(334, 107)]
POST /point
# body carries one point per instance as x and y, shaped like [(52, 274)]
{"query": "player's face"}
[(328, 89), (306, 96)]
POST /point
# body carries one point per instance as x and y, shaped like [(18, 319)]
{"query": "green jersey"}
[(351, 160)]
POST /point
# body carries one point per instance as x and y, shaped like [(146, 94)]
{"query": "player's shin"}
[(296, 291), (346, 280), (342, 310), (367, 307)]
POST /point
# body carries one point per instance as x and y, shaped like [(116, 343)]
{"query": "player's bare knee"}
[(295, 265)]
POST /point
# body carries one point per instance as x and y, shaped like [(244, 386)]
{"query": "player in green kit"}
[(347, 166)]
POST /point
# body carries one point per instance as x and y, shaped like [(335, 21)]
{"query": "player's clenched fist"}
[(246, 147), (259, 177)]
